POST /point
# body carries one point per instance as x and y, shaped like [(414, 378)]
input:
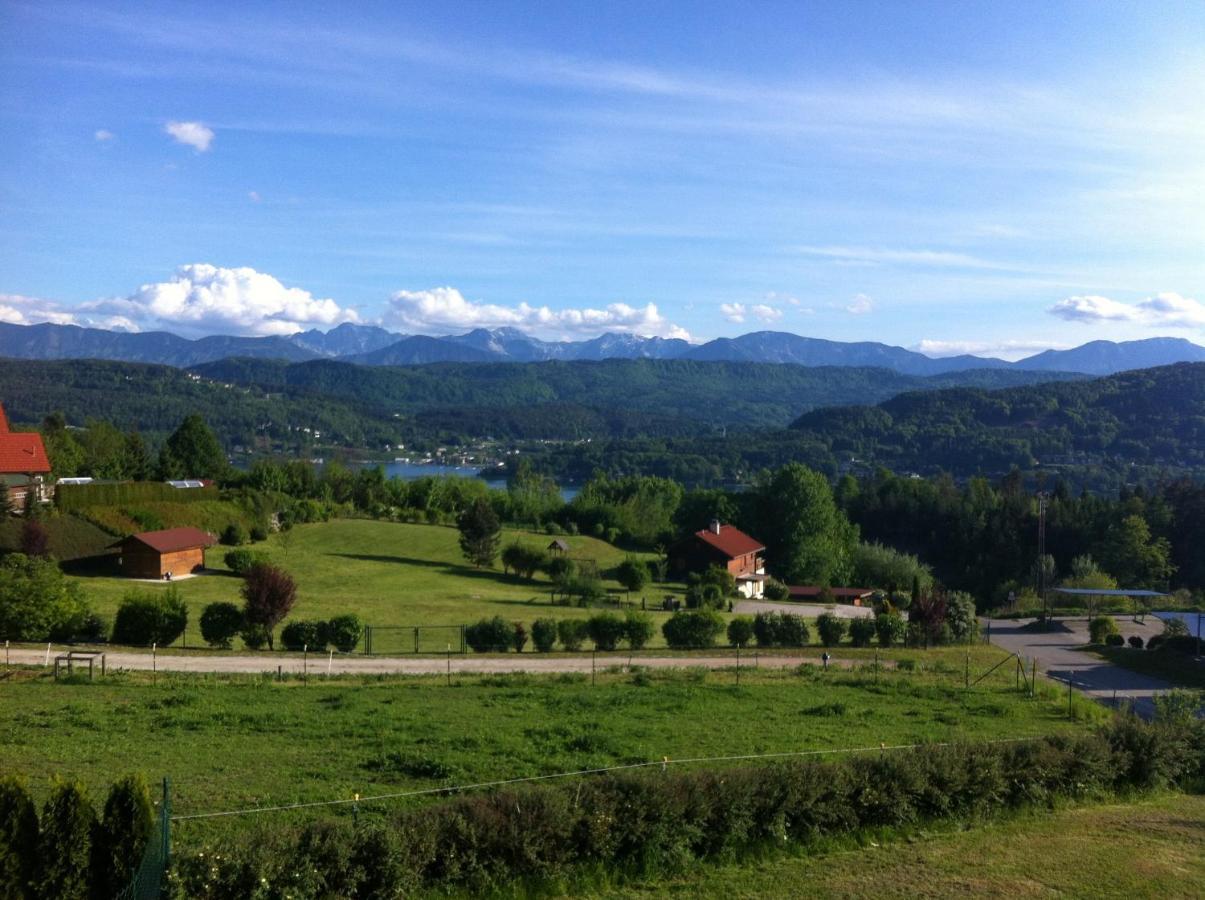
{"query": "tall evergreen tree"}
[(192, 451), (480, 533)]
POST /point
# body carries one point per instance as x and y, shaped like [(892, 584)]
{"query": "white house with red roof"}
[(23, 463), (725, 546)]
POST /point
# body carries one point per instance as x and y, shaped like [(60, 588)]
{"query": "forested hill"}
[(702, 396), (1153, 417)]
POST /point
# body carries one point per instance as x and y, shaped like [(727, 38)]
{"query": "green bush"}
[(890, 628), (637, 629), (1114, 640), (693, 629), (740, 631), (234, 535), (831, 628), (1135, 641), (301, 634), (518, 637), (572, 633), (494, 635), (862, 631), (65, 844), (240, 560), (606, 630), (344, 632), (960, 616), (498, 843), (255, 637), (777, 591), (258, 533), (126, 826), (37, 602), (775, 629), (220, 622), (156, 616), (19, 861), (543, 634), (1100, 628)]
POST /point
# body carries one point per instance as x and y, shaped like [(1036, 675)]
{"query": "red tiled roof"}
[(731, 541), (169, 540), (839, 593), (21, 452)]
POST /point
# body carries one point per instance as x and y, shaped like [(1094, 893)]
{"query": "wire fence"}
[(147, 882)]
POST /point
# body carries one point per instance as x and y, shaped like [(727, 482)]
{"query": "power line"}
[(664, 763)]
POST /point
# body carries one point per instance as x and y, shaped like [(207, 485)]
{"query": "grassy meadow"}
[(333, 738), (1151, 847), (388, 573)]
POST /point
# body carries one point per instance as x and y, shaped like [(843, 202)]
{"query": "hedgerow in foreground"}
[(659, 822)]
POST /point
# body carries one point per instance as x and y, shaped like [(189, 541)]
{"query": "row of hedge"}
[(648, 824), (70, 852)]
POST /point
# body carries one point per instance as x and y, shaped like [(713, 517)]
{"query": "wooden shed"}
[(153, 554)]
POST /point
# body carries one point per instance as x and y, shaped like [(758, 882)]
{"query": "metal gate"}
[(394, 639)]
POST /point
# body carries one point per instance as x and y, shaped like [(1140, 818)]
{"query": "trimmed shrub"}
[(65, 844), (740, 631), (777, 591), (302, 634), (775, 629), (234, 535), (571, 632), (19, 861), (241, 560), (692, 630), (255, 637), (494, 635), (543, 635), (125, 829), (1135, 641), (606, 630), (344, 632), (890, 628), (831, 628), (1100, 628), (1114, 640), (150, 617), (258, 533), (518, 637), (637, 629), (862, 631), (220, 622)]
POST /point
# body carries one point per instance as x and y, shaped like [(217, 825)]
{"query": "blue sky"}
[(989, 177)]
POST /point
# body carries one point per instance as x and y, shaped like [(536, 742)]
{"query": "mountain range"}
[(374, 346)]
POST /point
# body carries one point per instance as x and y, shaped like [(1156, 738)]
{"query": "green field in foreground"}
[(388, 573), (242, 741), (1152, 847)]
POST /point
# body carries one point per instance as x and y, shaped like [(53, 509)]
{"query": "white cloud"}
[(446, 309), (873, 256), (192, 134), (1167, 310), (739, 312), (17, 309), (102, 135), (1005, 349), (254, 196), (861, 305), (206, 299)]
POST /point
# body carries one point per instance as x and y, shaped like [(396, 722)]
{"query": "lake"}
[(411, 471), (1189, 618)]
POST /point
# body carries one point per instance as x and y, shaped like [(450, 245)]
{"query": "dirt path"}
[(343, 664)]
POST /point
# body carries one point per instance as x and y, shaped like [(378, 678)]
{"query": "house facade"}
[(156, 554), (726, 546), (24, 465)]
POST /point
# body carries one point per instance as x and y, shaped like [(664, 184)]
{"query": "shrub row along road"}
[(349, 664), (1060, 655)]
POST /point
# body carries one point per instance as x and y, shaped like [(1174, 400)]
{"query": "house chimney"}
[(715, 526)]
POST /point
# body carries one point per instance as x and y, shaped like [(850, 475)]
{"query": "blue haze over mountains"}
[(375, 346)]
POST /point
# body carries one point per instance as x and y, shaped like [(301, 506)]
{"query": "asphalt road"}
[(1059, 657)]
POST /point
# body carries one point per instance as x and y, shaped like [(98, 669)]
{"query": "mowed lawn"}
[(246, 741), (1152, 847), (388, 573)]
